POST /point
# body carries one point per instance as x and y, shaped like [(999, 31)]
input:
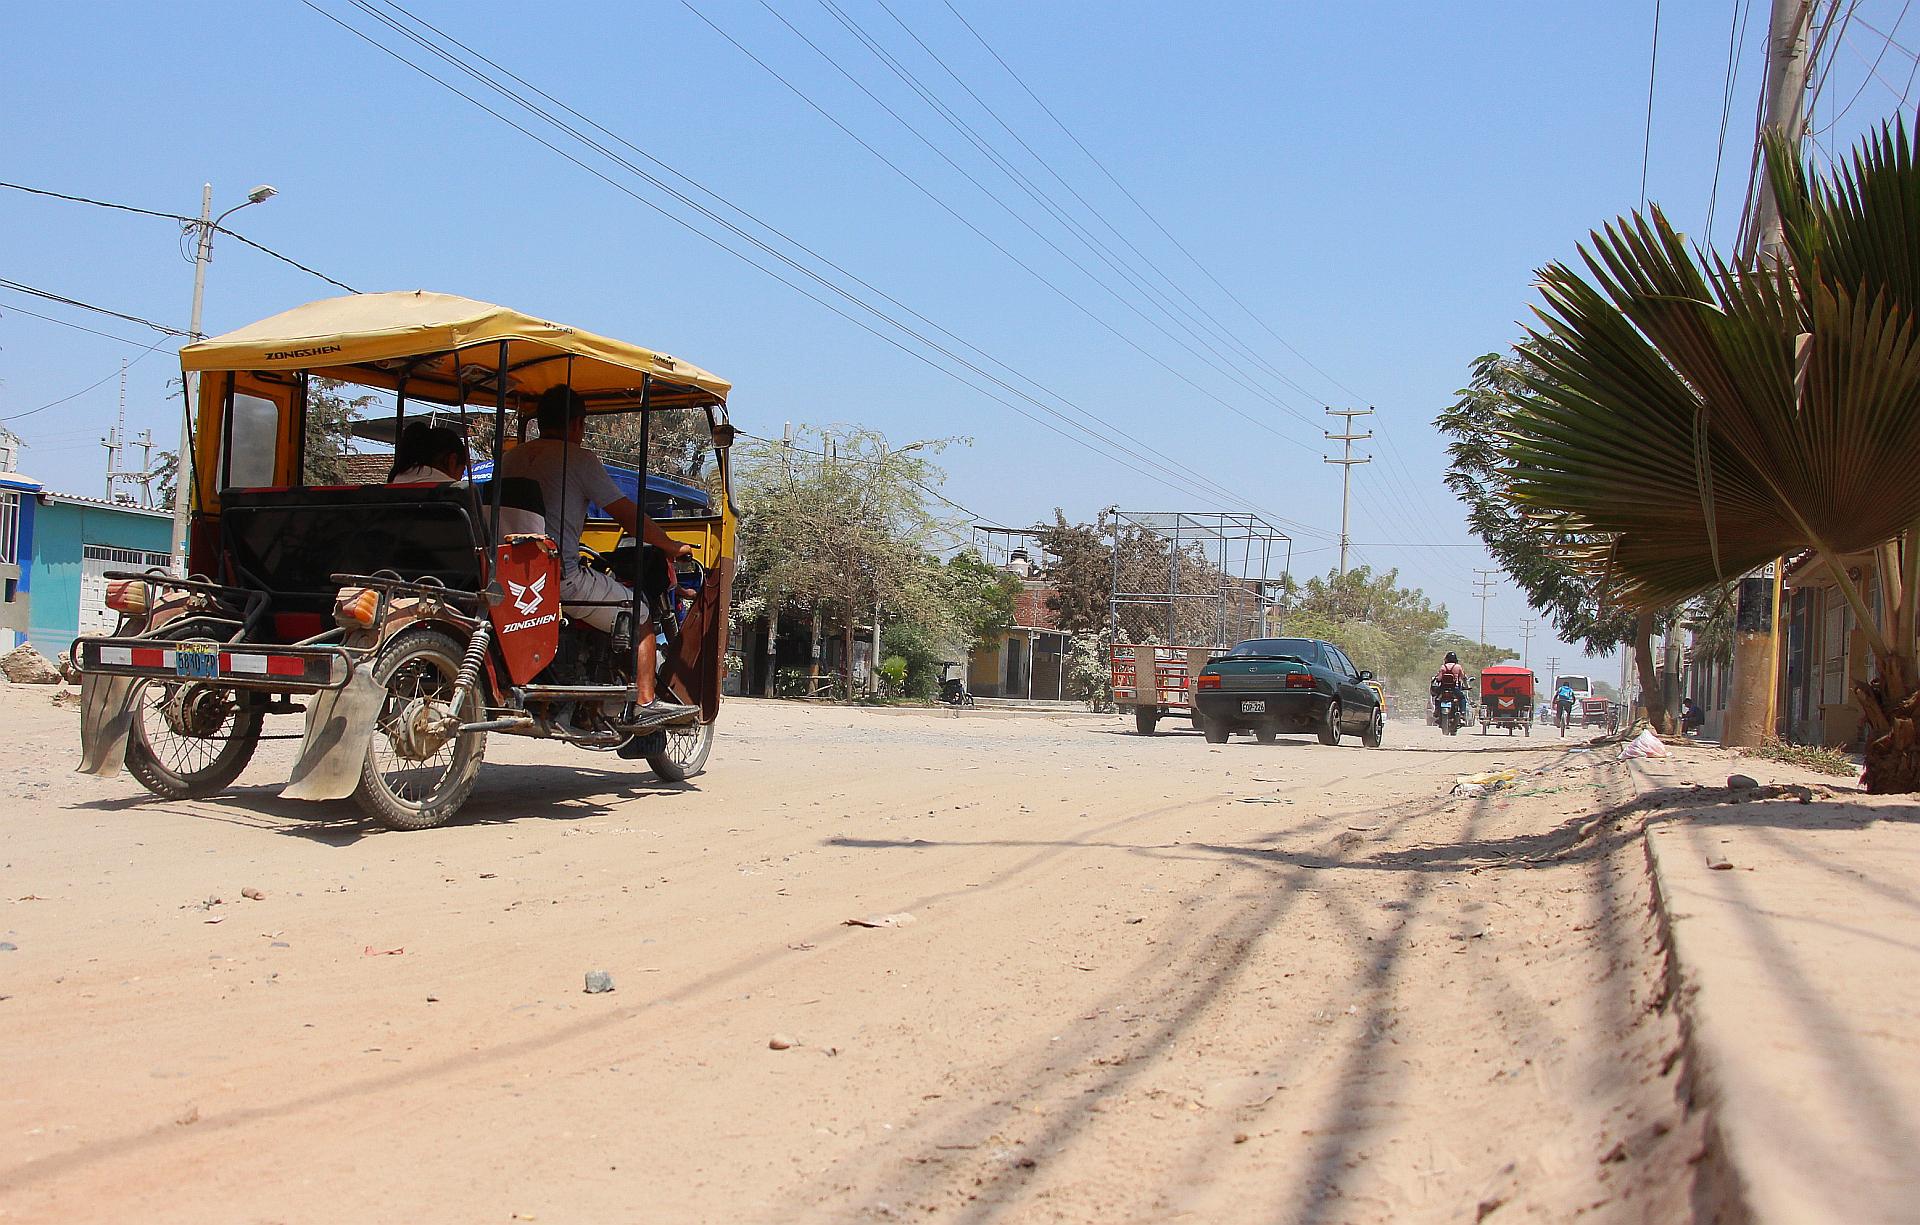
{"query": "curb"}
[(1719, 1193)]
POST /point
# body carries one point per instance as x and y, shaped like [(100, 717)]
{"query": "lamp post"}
[(202, 256)]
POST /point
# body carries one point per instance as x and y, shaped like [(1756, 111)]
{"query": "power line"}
[(1134, 200), (1132, 275), (17, 287), (1107, 445), (1736, 35), (118, 371), (184, 220), (1873, 70), (1094, 211), (1396, 483), (21, 310), (1653, 67), (1400, 483), (871, 463), (937, 151)]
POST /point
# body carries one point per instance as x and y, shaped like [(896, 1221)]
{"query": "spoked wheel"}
[(188, 739), (416, 776), (682, 751)]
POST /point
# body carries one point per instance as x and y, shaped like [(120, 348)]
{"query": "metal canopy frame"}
[(1238, 547)]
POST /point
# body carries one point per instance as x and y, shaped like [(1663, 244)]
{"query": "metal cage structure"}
[(1196, 578)]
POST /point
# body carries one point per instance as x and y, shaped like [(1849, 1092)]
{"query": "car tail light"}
[(1207, 681), (1300, 680), (356, 606), (127, 595)]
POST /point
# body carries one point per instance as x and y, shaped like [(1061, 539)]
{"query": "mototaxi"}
[(1506, 699), (407, 623)]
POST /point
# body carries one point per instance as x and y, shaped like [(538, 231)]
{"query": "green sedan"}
[(1271, 686)]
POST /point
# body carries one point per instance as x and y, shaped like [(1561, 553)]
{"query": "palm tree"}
[(1695, 418)]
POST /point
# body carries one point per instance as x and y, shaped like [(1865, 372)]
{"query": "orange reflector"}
[(127, 595), (356, 606)]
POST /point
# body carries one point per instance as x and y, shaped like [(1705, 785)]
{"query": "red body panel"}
[(1506, 682), (527, 622)]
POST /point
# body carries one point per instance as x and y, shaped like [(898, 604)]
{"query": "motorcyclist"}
[(1563, 700), (1450, 677)]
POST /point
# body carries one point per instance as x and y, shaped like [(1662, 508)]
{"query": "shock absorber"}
[(470, 665)]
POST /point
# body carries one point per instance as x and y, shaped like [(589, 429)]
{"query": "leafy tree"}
[(1701, 417), (837, 528), (982, 597), (1537, 551), (1081, 573), (1211, 605)]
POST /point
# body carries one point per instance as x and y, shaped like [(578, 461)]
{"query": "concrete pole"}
[(1753, 697), (1789, 63), (184, 463), (1484, 584), (1346, 461)]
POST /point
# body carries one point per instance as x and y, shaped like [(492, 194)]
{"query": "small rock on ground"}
[(1743, 782), (598, 981)]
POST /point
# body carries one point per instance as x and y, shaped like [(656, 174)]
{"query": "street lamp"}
[(202, 256)]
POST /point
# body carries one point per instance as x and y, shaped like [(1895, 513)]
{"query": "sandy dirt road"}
[(1145, 979)]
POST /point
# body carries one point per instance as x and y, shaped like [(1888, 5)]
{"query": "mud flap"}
[(340, 727), (106, 718)]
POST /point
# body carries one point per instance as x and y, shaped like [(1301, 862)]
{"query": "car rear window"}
[(1266, 648)]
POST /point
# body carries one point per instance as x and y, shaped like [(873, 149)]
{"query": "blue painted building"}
[(18, 501), (57, 549)]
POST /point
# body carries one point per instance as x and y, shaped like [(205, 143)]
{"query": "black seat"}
[(292, 541)]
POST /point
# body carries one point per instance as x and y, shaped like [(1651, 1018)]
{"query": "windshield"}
[(1577, 683), (1305, 649), (683, 477)]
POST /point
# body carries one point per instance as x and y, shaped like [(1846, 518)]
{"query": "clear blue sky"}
[(1376, 181)]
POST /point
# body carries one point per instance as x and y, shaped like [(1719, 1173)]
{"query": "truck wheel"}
[(412, 779), (1329, 729), (1145, 719), (189, 740), (681, 752)]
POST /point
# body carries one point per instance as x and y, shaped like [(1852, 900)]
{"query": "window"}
[(255, 433), (95, 561), (10, 528)]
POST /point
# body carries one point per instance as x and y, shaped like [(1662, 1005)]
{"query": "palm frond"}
[(1702, 417)]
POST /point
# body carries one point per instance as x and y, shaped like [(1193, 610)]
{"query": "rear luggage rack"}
[(235, 665)]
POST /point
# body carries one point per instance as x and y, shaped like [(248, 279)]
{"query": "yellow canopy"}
[(436, 342)]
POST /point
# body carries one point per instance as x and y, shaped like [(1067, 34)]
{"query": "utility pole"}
[(1754, 695), (203, 231), (1789, 64), (1553, 670), (1346, 461), (1484, 586), (1526, 638)]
